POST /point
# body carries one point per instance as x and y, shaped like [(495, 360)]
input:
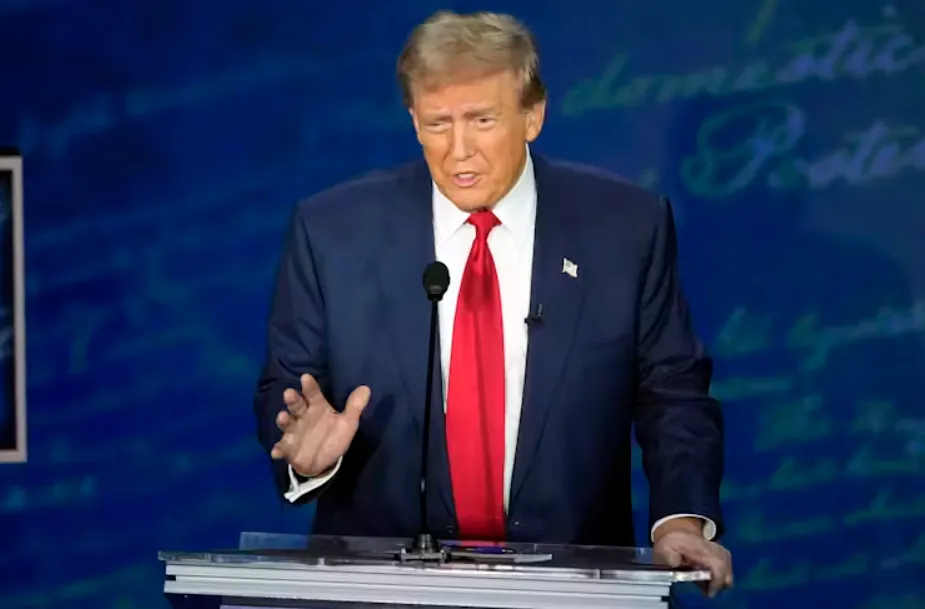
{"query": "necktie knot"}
[(483, 221)]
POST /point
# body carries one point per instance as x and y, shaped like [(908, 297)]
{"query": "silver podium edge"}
[(312, 575)]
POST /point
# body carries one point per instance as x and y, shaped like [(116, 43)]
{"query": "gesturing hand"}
[(315, 435)]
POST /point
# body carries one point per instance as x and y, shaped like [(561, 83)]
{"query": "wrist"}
[(684, 524)]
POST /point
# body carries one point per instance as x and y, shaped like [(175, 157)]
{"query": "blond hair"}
[(450, 47)]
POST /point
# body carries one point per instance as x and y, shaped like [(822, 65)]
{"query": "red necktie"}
[(475, 394)]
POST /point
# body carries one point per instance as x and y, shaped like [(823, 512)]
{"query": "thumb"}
[(357, 402), (670, 556)]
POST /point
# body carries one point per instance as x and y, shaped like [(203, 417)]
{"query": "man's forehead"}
[(470, 94)]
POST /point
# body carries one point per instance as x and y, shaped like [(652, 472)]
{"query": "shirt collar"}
[(515, 210)]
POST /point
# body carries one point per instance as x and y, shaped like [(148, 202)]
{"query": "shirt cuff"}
[(709, 527), (298, 489)]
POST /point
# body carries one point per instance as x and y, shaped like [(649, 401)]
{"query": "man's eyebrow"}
[(479, 112), (468, 114)]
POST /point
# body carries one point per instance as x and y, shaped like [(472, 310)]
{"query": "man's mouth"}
[(465, 180)]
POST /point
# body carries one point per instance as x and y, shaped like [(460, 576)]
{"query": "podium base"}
[(424, 549)]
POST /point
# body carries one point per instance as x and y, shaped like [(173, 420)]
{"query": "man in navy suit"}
[(564, 324)]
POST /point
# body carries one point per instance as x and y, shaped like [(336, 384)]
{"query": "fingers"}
[(277, 452), (722, 576), (311, 395), (716, 584), (284, 420), (311, 391), (294, 402), (314, 434), (699, 552), (729, 580), (282, 449), (357, 401), (285, 448), (671, 557), (718, 560), (677, 549)]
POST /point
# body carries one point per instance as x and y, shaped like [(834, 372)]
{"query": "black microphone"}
[(436, 281), (534, 318)]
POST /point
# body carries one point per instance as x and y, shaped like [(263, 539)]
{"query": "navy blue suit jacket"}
[(615, 347)]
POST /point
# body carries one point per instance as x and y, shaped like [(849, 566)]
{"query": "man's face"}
[(474, 136)]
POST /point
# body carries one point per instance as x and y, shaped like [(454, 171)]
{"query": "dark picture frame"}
[(12, 311)]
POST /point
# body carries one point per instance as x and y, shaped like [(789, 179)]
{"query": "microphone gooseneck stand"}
[(425, 547)]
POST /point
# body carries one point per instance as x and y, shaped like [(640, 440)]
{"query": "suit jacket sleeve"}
[(295, 342), (679, 427)]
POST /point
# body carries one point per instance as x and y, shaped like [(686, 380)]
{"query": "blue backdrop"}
[(166, 142)]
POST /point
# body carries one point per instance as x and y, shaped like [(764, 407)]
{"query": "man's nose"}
[(461, 146)]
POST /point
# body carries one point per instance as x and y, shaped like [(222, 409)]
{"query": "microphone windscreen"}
[(436, 280)]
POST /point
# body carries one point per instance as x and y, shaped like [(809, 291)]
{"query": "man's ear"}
[(536, 114), (416, 123)]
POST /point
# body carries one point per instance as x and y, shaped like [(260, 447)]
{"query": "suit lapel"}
[(556, 245), (410, 248)]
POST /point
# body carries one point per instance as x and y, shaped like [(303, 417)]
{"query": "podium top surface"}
[(371, 554)]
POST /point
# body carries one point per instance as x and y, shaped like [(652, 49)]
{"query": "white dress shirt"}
[(511, 245)]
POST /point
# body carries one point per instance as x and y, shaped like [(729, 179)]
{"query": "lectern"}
[(319, 572)]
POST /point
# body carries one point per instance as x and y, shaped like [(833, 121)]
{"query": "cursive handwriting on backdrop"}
[(850, 52)]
